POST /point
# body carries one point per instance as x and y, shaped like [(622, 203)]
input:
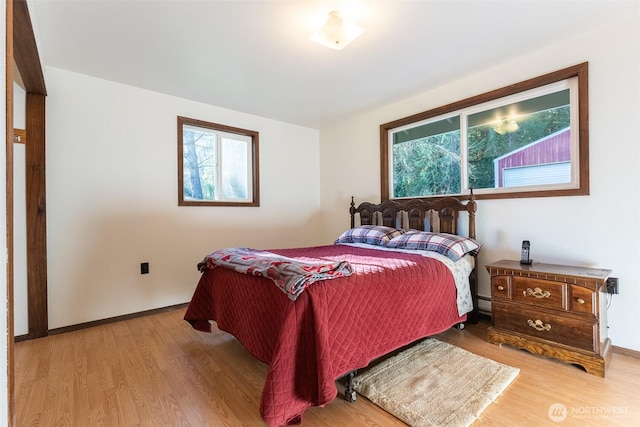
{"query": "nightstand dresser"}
[(557, 311)]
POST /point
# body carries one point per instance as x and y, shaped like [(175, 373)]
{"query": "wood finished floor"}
[(158, 371)]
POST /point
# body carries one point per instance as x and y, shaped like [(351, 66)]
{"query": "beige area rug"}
[(435, 384)]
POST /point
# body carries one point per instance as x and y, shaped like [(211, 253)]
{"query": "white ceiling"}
[(255, 56)]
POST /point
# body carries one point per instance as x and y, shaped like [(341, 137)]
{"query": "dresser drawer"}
[(542, 293), (569, 330), (500, 287), (581, 300)]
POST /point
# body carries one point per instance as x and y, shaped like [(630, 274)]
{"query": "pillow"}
[(378, 235), (452, 246)]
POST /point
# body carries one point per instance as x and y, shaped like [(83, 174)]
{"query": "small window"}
[(217, 164), (526, 140)]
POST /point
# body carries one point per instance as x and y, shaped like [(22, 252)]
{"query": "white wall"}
[(20, 307), (112, 191), (599, 230)]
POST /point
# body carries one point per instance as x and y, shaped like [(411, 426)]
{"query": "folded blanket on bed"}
[(290, 275)]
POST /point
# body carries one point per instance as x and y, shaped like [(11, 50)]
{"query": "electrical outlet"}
[(612, 285), (144, 268)]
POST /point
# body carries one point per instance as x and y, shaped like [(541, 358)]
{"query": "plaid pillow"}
[(378, 235), (452, 246)]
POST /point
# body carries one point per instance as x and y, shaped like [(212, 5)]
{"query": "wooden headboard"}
[(438, 215)]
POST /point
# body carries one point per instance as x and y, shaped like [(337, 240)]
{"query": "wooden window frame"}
[(254, 179), (579, 71)]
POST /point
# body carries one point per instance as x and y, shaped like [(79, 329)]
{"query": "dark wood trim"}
[(36, 216), (100, 322), (9, 77), (25, 52), (625, 351), (27, 61), (581, 71), (20, 338)]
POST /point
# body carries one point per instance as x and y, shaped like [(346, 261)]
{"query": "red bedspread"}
[(333, 327)]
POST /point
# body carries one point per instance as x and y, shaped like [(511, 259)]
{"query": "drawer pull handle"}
[(501, 288), (580, 301), (538, 325), (537, 293)]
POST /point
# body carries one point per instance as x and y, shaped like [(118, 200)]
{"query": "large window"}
[(217, 164), (525, 140)]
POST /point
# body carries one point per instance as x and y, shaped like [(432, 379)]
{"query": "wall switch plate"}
[(612, 285), (144, 268)]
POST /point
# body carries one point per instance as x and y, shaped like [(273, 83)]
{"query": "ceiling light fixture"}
[(337, 32), (506, 126)]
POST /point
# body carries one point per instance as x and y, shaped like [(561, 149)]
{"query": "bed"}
[(389, 296)]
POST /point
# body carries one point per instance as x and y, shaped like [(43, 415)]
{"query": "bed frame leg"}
[(350, 394)]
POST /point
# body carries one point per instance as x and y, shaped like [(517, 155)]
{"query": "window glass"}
[(426, 158), (523, 139), (199, 156), (235, 159), (217, 164)]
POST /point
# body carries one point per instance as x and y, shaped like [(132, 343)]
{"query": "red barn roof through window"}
[(545, 161)]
